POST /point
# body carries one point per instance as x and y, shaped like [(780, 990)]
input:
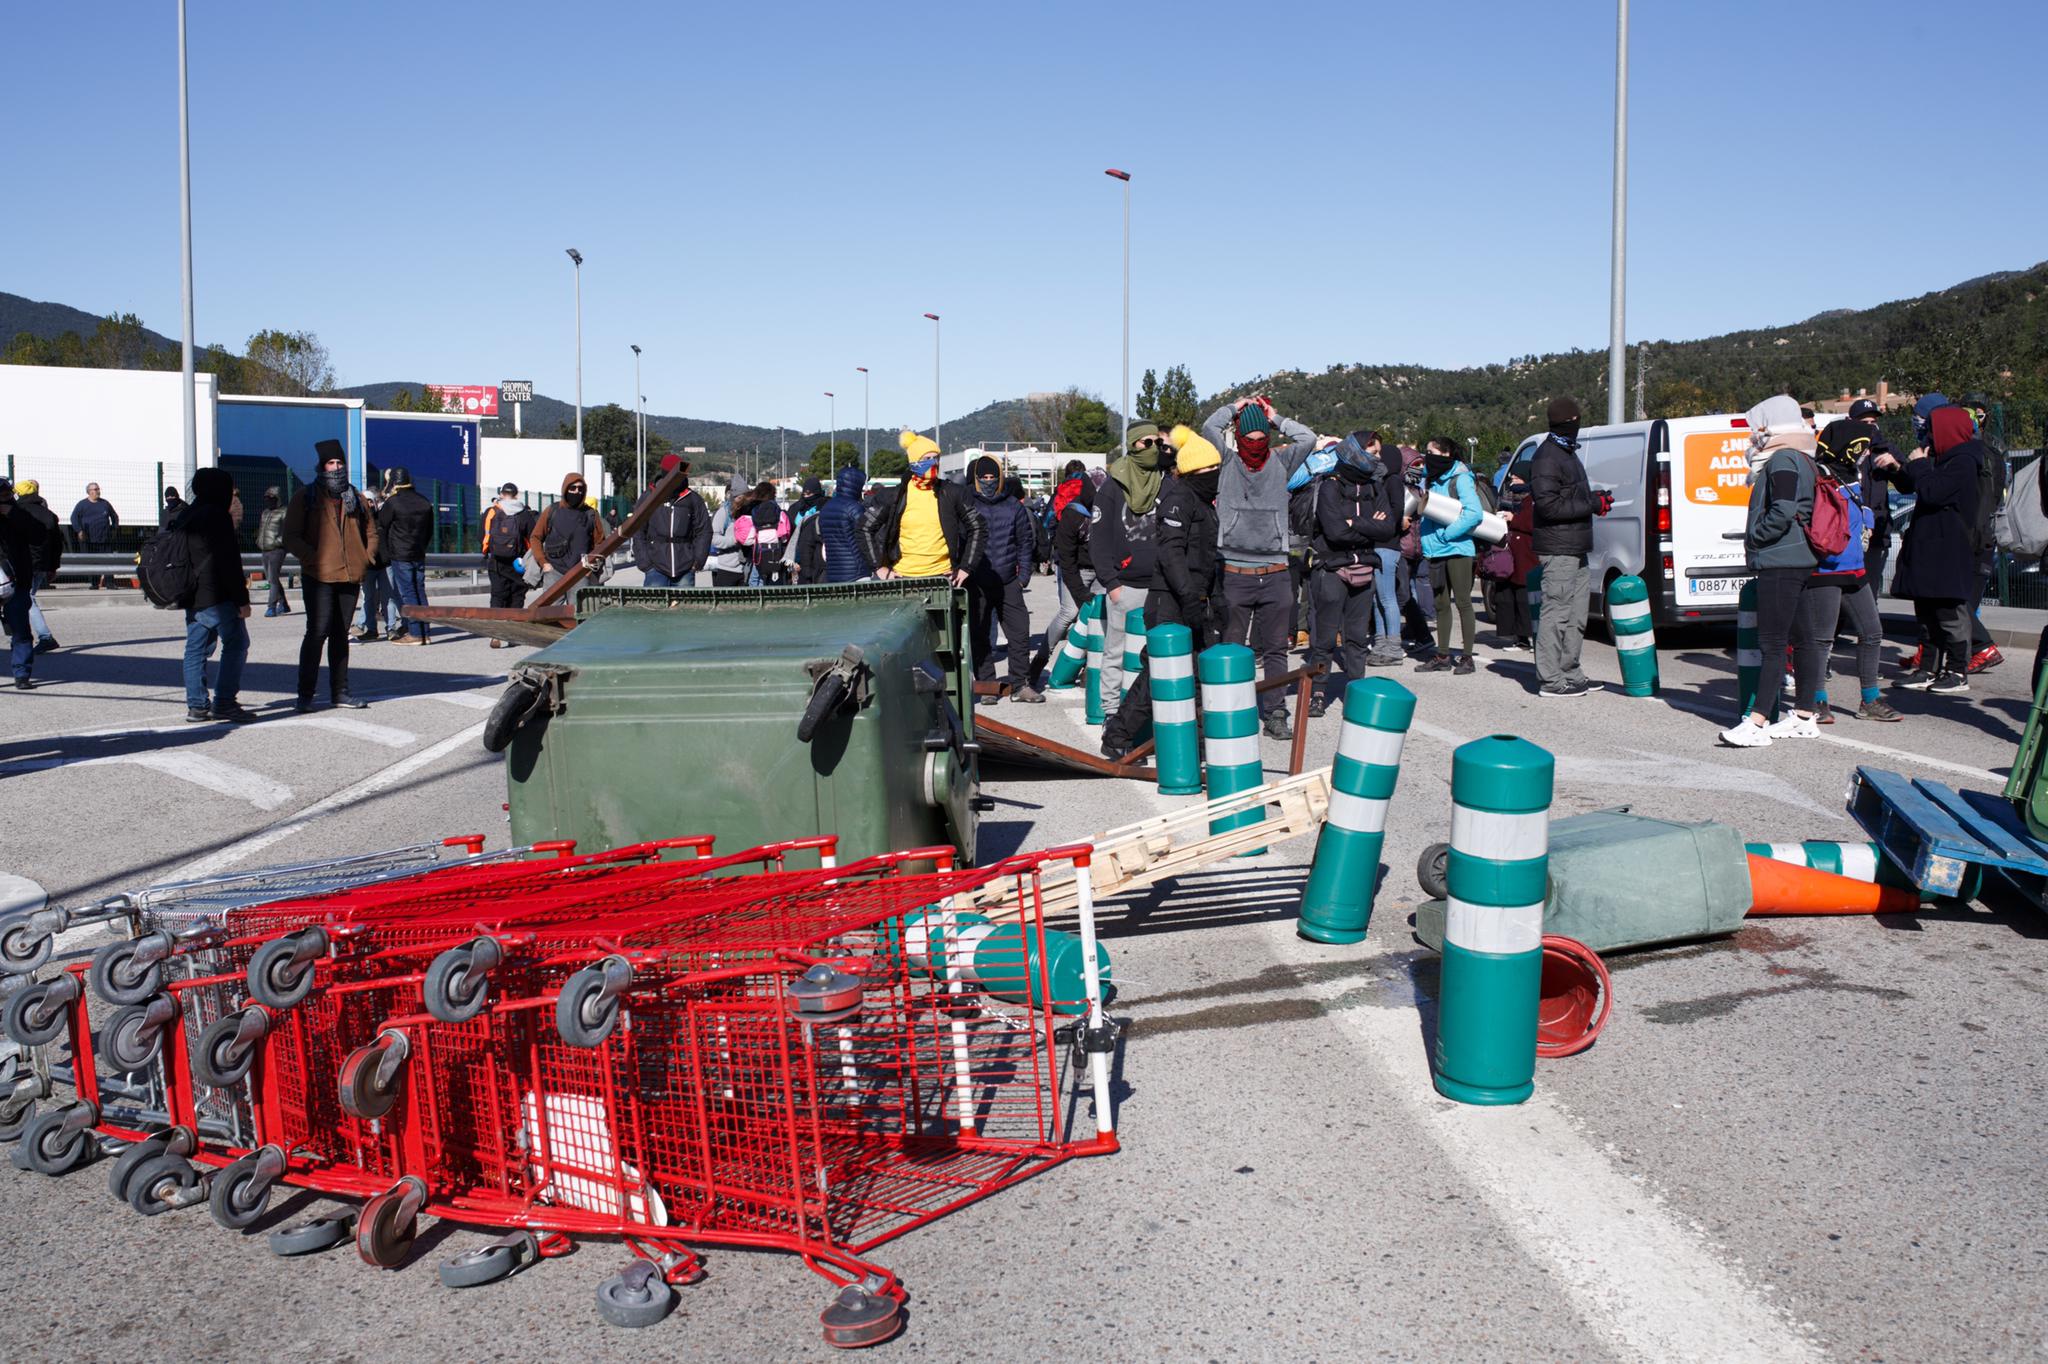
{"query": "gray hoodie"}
[(1251, 507), (727, 554)]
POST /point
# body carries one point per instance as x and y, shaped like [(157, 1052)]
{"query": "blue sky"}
[(768, 195)]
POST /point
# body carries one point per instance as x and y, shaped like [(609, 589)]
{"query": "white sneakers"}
[(1745, 733), (1793, 725)]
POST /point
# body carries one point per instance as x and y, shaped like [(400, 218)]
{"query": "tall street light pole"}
[(1617, 352), (1125, 176), (185, 243), (865, 433), (639, 424), (581, 472), (938, 432), (832, 441)]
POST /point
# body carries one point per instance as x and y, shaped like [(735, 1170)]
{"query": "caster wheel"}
[(161, 1184), (385, 1231), (122, 1171), (276, 978), (47, 1151), (452, 994), (485, 1264), (128, 1042), (118, 978), (361, 1093), (1433, 871), (584, 1016), (15, 1115), (857, 1318), (241, 1193), (307, 1238), (22, 949), (34, 1018), (635, 1298), (218, 1061)]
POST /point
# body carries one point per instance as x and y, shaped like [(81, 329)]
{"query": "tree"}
[(1178, 403), (1086, 425), (288, 365), (889, 462), (1044, 419), (1146, 408), (425, 400), (827, 460)]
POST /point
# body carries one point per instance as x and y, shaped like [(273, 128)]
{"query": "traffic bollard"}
[(1230, 731), (1749, 656), (1072, 658), (1177, 742), (1336, 906), (1093, 713), (1860, 862), (1635, 635), (1493, 923), (1535, 581), (1134, 662)]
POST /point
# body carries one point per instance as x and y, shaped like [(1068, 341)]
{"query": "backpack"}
[(164, 567), (501, 533), (1489, 496), (2021, 526), (1827, 530)]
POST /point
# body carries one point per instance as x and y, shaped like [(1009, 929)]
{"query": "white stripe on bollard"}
[(1373, 747), (1232, 696), (1171, 666), (1173, 712), (1629, 644), (1494, 928), (1360, 814), (1500, 837), (1233, 752), (1622, 611)]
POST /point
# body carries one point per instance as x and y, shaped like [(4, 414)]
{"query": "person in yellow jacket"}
[(923, 528)]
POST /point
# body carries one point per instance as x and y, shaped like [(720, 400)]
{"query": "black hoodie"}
[(1070, 540), (212, 546)]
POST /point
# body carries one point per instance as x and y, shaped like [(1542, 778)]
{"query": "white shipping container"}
[(121, 428)]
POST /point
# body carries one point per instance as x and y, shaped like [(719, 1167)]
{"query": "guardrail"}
[(123, 565)]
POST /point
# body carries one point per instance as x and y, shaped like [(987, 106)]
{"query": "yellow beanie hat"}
[(27, 487), (1193, 452), (916, 446)]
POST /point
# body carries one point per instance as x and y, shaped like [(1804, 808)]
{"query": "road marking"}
[(1896, 754), (215, 862), (366, 730), (1629, 1268), (200, 769), (468, 700)]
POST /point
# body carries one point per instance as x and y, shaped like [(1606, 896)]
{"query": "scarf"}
[(1139, 475), (1254, 450), (337, 486)]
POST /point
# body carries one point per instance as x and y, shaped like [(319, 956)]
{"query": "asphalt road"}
[(1815, 1139)]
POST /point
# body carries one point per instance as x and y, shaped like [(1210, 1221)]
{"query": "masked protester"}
[(1073, 502), (1938, 559), (674, 539), (1449, 552), (728, 561), (1782, 473), (845, 561), (405, 528), (995, 585), (923, 528), (1122, 546), (1357, 513), (567, 534), (329, 530), (1839, 590), (508, 525), (270, 540), (1562, 534), (218, 610)]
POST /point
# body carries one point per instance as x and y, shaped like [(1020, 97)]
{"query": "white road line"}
[(319, 809), (1629, 1268), (200, 769), (366, 730), (1896, 754), (468, 700)]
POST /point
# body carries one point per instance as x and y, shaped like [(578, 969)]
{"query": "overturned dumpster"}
[(754, 715)]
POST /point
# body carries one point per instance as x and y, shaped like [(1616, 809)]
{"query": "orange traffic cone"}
[(1782, 888)]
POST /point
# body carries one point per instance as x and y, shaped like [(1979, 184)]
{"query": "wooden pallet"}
[(1933, 832), (1139, 855)]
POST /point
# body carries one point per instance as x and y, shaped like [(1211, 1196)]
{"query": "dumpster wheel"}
[(524, 697)]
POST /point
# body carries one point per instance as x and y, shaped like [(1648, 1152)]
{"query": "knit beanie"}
[(1251, 420), (1195, 453), (986, 467), (917, 447), (1561, 412), (1140, 431)]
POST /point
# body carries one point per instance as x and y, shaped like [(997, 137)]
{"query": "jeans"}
[(1259, 610), (1339, 607), (221, 622), (1561, 631), (1386, 587), (329, 608), (654, 577), (1451, 580), (273, 574), (409, 586), (21, 655), (380, 609), (35, 608)]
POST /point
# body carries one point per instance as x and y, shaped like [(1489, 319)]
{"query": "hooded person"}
[(728, 561), (507, 526), (217, 612), (329, 529), (996, 582), (270, 542), (1938, 554), (405, 525), (1781, 478), (674, 538), (567, 534), (1991, 475), (924, 527), (838, 523), (764, 533), (1357, 514), (22, 537), (1122, 546), (1562, 536), (49, 553), (1073, 505)]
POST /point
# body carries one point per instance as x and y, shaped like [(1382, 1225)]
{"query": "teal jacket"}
[(1446, 542)]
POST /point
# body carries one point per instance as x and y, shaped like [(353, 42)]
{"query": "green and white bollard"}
[(1230, 730), (1072, 659), (1749, 655), (1001, 959), (1635, 635), (1535, 595), (1177, 741), (1093, 639), (1859, 862), (1493, 924), (1336, 906), (1134, 662)]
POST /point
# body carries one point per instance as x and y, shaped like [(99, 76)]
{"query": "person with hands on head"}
[(1123, 546), (922, 528), (1938, 561), (328, 528)]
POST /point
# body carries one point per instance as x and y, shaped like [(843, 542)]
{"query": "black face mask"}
[(572, 499), (1203, 482), (988, 487), (334, 480), (1569, 430), (270, 499), (1436, 466)]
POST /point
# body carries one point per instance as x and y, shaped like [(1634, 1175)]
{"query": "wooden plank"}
[(1008, 743), (1996, 825)]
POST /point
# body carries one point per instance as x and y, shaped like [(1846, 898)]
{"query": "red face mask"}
[(1253, 450)]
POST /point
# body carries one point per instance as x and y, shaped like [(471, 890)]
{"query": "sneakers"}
[(1949, 684), (1793, 725), (1276, 725), (1915, 661), (1439, 663), (198, 715), (24, 683), (1986, 657), (1878, 710), (1564, 689), (347, 702), (304, 705), (1917, 680), (1113, 750), (1318, 705), (269, 612), (49, 642), (1462, 666), (1388, 658), (408, 637), (235, 713), (1746, 733), (1029, 695)]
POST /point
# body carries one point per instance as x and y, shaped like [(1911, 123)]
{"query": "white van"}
[(1681, 499)]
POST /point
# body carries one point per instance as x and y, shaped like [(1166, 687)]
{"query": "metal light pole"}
[(1617, 353), (938, 434), (185, 243), (865, 433), (1125, 176), (639, 423), (581, 472), (832, 441)]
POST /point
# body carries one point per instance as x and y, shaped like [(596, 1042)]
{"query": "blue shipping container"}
[(443, 449)]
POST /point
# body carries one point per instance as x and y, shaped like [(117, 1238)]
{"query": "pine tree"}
[(1178, 403), (1146, 409)]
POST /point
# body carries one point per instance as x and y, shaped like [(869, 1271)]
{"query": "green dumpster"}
[(756, 715)]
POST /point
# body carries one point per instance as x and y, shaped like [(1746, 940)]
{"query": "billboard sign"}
[(471, 400), (515, 391)]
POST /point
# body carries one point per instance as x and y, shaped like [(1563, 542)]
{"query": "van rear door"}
[(1710, 503)]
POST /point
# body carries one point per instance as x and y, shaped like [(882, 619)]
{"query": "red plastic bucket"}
[(1575, 997)]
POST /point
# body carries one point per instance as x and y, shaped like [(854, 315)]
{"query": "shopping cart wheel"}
[(129, 1161), (222, 1058), (488, 1264), (389, 1222), (588, 1008), (453, 991), (122, 973), (50, 1146), (636, 1296), (281, 971), (23, 948), (858, 1317), (131, 1037), (1433, 871), (163, 1183), (241, 1190), (15, 1112), (306, 1238), (370, 1076), (36, 1013)]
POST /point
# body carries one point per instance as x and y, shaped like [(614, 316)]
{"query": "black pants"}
[(1259, 611), (1339, 609), (1511, 611), (1161, 608), (329, 609), (507, 588), (1980, 638), (1947, 626), (1781, 620), (273, 576), (990, 598), (721, 577)]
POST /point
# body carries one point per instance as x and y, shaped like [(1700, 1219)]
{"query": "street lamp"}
[(938, 436), (1472, 453), (639, 422), (865, 433), (832, 441), (581, 472), (185, 243), (1125, 176), (1617, 354)]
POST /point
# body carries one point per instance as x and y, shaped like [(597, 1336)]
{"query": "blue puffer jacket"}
[(1011, 538), (845, 561), (1846, 568), (1446, 542)]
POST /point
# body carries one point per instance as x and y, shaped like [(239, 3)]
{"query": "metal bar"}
[(664, 491), (1300, 750)]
